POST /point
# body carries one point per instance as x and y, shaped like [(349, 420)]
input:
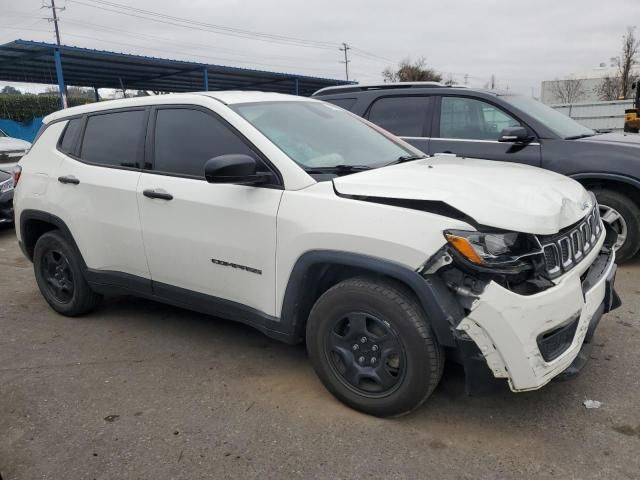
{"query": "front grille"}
[(566, 249), (555, 342)]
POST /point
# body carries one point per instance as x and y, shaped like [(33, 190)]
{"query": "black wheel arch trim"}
[(57, 222), (441, 308), (607, 176)]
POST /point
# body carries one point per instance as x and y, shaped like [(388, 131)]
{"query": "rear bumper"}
[(529, 340)]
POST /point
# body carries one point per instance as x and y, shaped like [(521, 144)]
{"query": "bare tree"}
[(450, 80), (408, 71), (609, 88), (569, 90), (628, 60), (618, 86)]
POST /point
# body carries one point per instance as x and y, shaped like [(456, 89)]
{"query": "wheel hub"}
[(367, 350), (616, 221), (56, 272), (366, 354)]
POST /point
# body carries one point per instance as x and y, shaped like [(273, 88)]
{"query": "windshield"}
[(320, 135), (562, 125)]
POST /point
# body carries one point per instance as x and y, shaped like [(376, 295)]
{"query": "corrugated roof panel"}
[(33, 62)]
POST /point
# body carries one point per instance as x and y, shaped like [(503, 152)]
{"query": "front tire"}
[(370, 343), (59, 276), (623, 215)]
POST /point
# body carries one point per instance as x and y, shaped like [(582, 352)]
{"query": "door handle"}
[(69, 179), (157, 194)]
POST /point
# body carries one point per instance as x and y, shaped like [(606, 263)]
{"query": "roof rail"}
[(382, 86)]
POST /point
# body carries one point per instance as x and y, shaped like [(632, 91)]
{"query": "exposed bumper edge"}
[(610, 302), (505, 326)]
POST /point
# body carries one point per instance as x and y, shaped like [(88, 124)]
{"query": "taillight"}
[(17, 171)]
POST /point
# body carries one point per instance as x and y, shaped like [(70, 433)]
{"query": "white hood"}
[(504, 195), (8, 144)]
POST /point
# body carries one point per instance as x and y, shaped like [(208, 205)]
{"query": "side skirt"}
[(117, 283)]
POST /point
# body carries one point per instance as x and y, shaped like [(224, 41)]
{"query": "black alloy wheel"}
[(370, 342), (58, 276), (59, 271)]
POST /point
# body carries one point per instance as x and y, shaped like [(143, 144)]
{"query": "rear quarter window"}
[(404, 116), (69, 136), (346, 103)]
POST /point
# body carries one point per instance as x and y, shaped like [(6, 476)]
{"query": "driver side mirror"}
[(238, 169), (514, 134)]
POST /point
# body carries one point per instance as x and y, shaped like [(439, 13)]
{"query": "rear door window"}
[(114, 139), (403, 116), (186, 138)]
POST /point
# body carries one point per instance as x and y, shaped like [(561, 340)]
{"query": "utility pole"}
[(345, 48), (55, 18), (62, 87), (466, 79)]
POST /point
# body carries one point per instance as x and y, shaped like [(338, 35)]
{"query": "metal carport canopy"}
[(35, 62)]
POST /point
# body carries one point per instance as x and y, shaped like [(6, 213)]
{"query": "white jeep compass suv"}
[(311, 224)]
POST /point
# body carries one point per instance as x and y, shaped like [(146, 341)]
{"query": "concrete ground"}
[(142, 390)]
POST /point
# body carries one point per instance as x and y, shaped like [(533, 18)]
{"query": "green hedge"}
[(23, 108)]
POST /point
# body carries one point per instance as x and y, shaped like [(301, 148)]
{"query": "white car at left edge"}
[(11, 151)]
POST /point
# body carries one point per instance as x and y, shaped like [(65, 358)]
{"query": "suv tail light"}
[(17, 171)]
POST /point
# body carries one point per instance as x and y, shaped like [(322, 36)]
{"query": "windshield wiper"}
[(406, 158), (338, 169), (576, 137)]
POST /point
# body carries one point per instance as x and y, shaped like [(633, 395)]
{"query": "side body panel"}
[(573, 157), (38, 168), (318, 219), (102, 213), (215, 239)]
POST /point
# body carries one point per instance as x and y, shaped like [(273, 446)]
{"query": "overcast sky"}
[(521, 42)]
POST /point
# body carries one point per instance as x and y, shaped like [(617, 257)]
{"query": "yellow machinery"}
[(632, 115)]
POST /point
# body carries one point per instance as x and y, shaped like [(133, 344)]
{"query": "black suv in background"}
[(503, 126)]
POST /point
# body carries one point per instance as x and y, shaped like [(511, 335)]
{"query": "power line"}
[(177, 52), (157, 38), (203, 26)]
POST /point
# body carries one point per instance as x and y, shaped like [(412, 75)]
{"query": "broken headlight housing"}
[(508, 252)]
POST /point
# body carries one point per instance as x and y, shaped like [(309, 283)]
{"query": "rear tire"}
[(622, 213), (370, 343), (59, 275)]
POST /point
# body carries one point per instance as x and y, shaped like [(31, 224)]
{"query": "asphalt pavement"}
[(140, 390)]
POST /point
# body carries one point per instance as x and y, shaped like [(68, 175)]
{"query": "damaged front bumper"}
[(529, 340)]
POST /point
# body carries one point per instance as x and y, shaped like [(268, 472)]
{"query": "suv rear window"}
[(114, 139), (69, 136), (402, 116)]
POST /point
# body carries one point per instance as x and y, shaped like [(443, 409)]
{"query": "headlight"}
[(6, 185), (489, 249)]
